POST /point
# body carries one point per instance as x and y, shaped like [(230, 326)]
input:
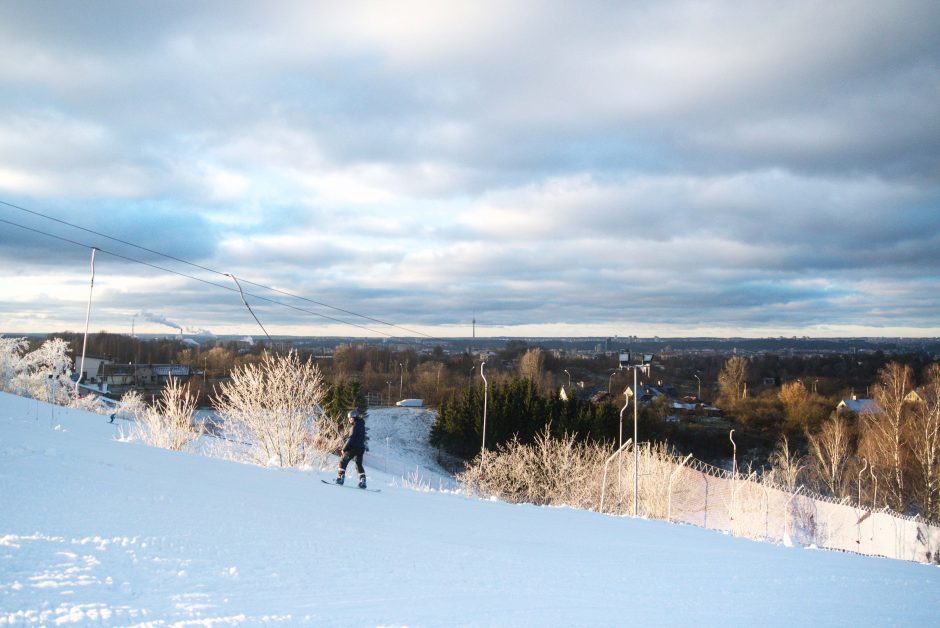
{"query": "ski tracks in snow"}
[(117, 581)]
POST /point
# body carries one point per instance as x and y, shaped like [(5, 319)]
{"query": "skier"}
[(354, 448)]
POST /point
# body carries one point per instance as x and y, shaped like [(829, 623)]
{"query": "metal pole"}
[(401, 380), (626, 403), (81, 368), (485, 395), (734, 454), (672, 476), (861, 471), (636, 451), (699, 395)]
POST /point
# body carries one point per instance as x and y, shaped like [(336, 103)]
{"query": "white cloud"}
[(549, 163)]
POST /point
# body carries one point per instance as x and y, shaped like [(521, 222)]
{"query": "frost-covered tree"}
[(885, 432), (829, 452), (787, 465), (45, 373), (274, 406), (169, 424), (11, 359), (925, 445)]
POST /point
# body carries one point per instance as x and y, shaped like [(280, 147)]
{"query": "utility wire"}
[(241, 293), (193, 277), (212, 270)]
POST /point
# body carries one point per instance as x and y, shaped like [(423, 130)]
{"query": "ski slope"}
[(98, 531)]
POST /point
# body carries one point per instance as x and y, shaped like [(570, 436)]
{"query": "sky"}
[(591, 169)]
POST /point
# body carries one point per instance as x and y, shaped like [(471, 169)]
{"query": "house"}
[(92, 368), (858, 406), (647, 393)]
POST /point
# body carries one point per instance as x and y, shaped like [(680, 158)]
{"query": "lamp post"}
[(389, 382), (609, 379), (401, 380), (699, 395), (569, 378), (645, 367)]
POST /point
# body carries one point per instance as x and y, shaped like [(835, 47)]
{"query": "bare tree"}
[(925, 444), (787, 466), (885, 430), (275, 406), (169, 424), (732, 378), (829, 451), (532, 366), (794, 397)]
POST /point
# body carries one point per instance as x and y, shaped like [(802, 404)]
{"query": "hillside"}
[(95, 530)]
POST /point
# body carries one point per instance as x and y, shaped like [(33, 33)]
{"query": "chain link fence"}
[(694, 492)]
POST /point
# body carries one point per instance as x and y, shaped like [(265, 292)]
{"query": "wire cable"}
[(241, 293), (217, 272), (193, 277)]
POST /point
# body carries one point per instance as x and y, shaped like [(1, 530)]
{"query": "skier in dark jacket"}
[(353, 448)]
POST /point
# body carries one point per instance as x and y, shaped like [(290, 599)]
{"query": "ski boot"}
[(362, 481), (340, 477)]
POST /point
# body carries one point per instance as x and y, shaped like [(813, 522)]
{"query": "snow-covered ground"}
[(98, 531)]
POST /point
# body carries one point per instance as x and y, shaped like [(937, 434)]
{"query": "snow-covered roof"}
[(859, 406)]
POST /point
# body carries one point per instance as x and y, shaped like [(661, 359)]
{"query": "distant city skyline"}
[(666, 169)]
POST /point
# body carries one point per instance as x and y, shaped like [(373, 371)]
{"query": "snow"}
[(94, 530)]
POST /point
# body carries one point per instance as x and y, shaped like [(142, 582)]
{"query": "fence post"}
[(786, 515), (604, 480), (672, 476)]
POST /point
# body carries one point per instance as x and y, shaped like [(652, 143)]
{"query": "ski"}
[(371, 490)]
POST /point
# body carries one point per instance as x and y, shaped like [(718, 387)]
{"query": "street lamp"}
[(401, 381), (645, 367), (389, 382), (699, 395), (569, 378), (609, 379)]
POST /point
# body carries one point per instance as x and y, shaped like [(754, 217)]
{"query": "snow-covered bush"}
[(274, 406), (131, 406), (45, 373), (170, 423), (563, 471), (548, 471), (91, 403), (11, 358)]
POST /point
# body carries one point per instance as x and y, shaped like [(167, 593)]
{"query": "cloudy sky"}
[(577, 168)]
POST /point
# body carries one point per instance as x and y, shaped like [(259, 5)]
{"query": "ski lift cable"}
[(251, 311), (212, 270), (199, 279)]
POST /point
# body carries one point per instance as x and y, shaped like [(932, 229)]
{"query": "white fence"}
[(706, 496)]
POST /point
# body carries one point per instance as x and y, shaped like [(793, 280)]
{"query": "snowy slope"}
[(93, 530)]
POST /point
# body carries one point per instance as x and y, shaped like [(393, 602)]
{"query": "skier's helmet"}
[(352, 415)]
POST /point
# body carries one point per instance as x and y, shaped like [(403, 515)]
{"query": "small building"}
[(858, 406)]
